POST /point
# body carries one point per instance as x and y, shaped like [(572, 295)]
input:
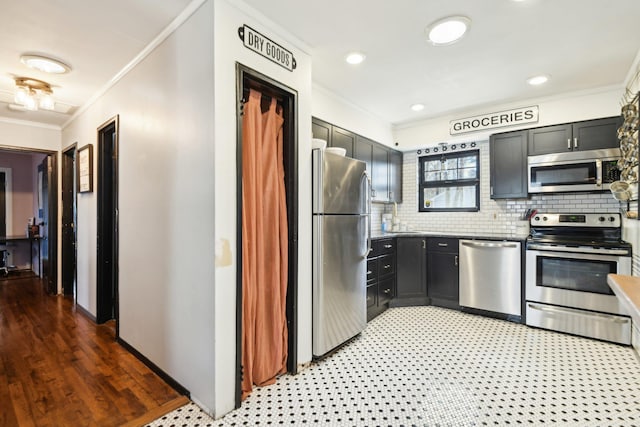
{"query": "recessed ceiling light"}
[(447, 30), (45, 64), (538, 80), (355, 58), (417, 107)]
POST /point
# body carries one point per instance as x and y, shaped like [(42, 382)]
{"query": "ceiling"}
[(581, 44)]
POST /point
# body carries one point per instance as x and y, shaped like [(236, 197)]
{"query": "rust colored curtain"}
[(264, 243)]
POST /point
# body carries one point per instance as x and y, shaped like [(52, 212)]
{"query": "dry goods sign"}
[(266, 47), (494, 120)]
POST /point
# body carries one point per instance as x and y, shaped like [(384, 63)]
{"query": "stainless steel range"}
[(568, 258)]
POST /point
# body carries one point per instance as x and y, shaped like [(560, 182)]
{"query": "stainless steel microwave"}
[(593, 170)]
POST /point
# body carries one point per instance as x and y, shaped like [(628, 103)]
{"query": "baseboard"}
[(158, 412), (159, 372), (86, 313)]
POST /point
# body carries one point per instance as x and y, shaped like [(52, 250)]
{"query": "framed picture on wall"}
[(85, 169)]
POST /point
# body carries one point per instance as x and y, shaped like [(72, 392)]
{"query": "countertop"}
[(627, 289), (471, 236)]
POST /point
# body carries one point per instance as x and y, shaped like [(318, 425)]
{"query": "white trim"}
[(633, 73), (8, 199), (29, 123), (177, 22)]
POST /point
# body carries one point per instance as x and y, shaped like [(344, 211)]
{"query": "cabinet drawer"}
[(386, 266), (382, 246), (442, 244), (385, 290), (372, 270), (372, 292)]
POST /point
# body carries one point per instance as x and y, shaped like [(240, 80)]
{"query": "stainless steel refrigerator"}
[(341, 242)]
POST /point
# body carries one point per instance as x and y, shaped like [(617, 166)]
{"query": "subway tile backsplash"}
[(495, 216)]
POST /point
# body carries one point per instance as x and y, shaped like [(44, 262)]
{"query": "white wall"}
[(29, 135), (333, 109), (166, 204), (565, 108), (229, 49)]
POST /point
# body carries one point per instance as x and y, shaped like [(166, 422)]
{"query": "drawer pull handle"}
[(387, 291), (369, 272), (444, 245), (387, 266), (388, 246)]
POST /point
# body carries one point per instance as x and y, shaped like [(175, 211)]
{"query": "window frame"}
[(466, 182)]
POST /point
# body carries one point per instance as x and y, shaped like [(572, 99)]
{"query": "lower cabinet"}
[(442, 272), (411, 272), (381, 276)]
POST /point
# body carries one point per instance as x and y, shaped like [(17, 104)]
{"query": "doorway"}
[(246, 79), (107, 233), (69, 216)]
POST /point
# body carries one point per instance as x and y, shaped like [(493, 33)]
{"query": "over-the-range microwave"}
[(592, 170)]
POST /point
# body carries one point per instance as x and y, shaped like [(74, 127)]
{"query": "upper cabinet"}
[(508, 165), (384, 164), (579, 136)]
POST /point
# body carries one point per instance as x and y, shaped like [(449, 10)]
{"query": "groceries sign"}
[(266, 47), (494, 120)]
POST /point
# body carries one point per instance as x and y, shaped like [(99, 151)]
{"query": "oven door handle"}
[(558, 310), (587, 250)]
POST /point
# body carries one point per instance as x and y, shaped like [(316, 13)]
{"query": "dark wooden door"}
[(395, 176), (107, 236), (596, 134), (49, 229), (550, 139), (321, 130), (344, 139), (3, 204), (508, 160), (68, 222), (380, 174), (411, 269), (442, 279)]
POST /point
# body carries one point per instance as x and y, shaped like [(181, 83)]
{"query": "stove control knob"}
[(601, 219), (537, 218), (612, 219), (544, 218)]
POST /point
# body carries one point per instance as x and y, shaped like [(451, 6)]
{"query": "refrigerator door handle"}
[(367, 192)]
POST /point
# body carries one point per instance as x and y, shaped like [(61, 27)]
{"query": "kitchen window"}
[(449, 182)]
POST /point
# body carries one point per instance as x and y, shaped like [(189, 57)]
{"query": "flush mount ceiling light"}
[(44, 63), (417, 107), (355, 58), (33, 94), (447, 30), (538, 80)]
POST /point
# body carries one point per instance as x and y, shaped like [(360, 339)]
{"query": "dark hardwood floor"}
[(57, 368)]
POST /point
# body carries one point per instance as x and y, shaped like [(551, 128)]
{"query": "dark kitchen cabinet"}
[(579, 136), (411, 272), (384, 164), (395, 176), (442, 272), (381, 276), (343, 139), (508, 165)]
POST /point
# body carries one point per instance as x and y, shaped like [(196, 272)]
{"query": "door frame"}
[(8, 203), (66, 174), (257, 80), (107, 297)]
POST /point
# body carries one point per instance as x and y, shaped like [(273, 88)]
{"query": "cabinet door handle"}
[(387, 291), (424, 244), (388, 246), (569, 144), (491, 190), (575, 142), (456, 261), (369, 272), (387, 266), (444, 245), (391, 194)]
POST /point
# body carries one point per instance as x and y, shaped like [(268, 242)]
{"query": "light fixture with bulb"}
[(538, 80), (43, 63), (447, 30), (33, 94), (417, 107), (355, 58)]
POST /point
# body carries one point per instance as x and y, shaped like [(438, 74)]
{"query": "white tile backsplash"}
[(495, 216)]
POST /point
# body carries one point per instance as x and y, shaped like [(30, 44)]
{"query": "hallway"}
[(57, 368)]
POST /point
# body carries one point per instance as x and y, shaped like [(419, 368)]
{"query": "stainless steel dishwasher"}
[(490, 276)]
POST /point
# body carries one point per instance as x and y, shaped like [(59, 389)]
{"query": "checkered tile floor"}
[(429, 366)]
